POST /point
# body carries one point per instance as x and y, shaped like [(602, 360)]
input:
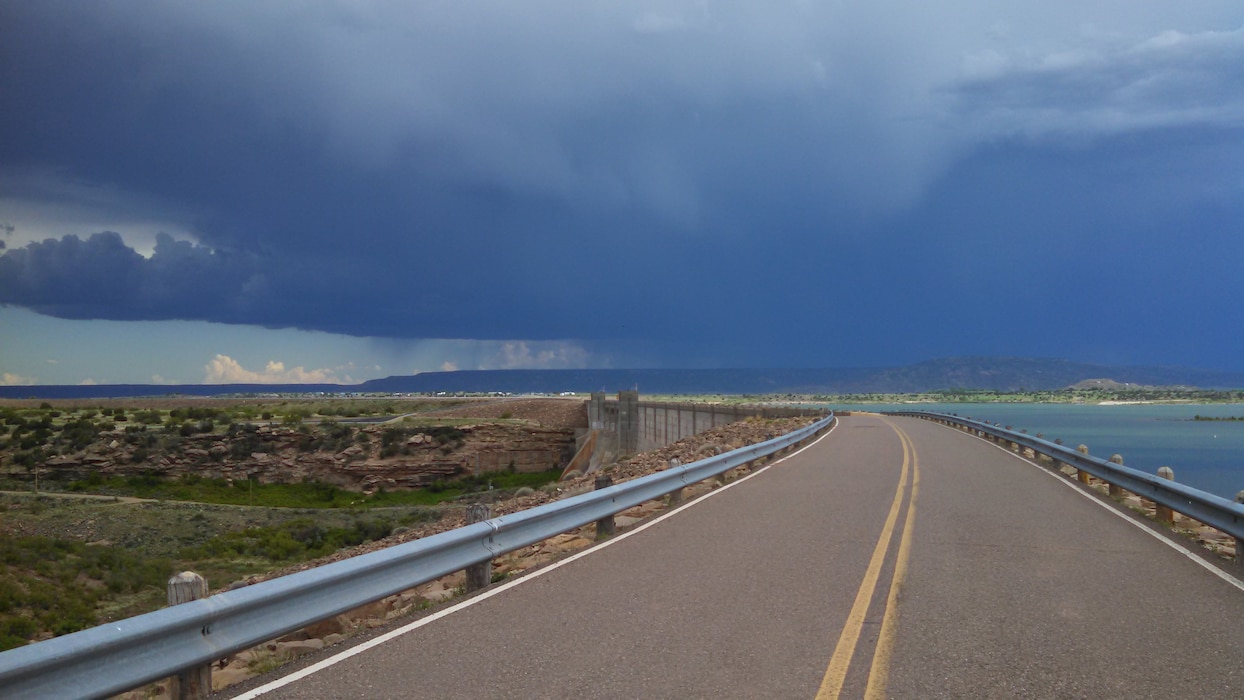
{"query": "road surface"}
[(892, 558)]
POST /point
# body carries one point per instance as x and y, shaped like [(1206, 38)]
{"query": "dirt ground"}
[(712, 442), (548, 413)]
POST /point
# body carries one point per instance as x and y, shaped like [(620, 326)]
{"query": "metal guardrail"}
[(1215, 511), (126, 654)]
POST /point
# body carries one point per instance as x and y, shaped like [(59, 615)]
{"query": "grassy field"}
[(69, 563)]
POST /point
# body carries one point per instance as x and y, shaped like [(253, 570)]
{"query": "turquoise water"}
[(1208, 455)]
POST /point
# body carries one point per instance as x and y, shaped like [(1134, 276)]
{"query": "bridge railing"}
[(1215, 511), (129, 653)]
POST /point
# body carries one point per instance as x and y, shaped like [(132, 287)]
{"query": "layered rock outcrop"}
[(356, 458)]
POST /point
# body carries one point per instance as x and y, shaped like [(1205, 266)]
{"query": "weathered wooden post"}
[(605, 527), (1115, 490), (1082, 475), (192, 683), (1058, 464), (1164, 513), (675, 496), (478, 575)]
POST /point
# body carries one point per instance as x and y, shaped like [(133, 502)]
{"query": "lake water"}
[(1208, 455)]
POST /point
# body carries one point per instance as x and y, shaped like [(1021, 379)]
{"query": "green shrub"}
[(149, 417), (56, 585)]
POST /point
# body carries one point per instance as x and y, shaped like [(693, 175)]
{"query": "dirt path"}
[(113, 500)]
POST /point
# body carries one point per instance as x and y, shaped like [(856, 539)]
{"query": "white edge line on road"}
[(360, 648), (1114, 511)]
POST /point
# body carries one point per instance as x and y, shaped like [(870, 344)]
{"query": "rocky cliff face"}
[(363, 459)]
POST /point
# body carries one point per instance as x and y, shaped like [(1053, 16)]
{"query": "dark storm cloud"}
[(651, 172), (101, 277)]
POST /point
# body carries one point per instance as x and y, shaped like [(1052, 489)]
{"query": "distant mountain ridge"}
[(988, 373)]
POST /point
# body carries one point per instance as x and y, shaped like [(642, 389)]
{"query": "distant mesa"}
[(1002, 374)]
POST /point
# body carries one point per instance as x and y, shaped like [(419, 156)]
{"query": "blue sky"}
[(337, 191)]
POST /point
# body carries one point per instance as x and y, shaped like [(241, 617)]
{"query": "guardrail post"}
[(1116, 491), (605, 527), (675, 496), (1239, 543), (478, 575), (1161, 512), (1082, 475), (191, 683)]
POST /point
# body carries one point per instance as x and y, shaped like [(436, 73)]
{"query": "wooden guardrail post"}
[(478, 575), (1082, 475), (192, 683), (675, 496), (605, 527), (1161, 512), (1115, 490), (1008, 443)]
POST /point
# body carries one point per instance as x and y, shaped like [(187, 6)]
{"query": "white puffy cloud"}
[(10, 379), (223, 369)]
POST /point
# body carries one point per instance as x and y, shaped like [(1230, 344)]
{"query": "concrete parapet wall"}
[(629, 425)]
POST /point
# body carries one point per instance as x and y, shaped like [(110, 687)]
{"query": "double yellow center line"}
[(840, 662)]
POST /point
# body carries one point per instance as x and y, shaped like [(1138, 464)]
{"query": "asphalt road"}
[(1019, 586), (1008, 584)]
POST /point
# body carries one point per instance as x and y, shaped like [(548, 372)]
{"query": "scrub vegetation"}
[(71, 563), (82, 550)]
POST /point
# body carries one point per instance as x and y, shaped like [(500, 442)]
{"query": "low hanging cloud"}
[(102, 277), (223, 369)]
